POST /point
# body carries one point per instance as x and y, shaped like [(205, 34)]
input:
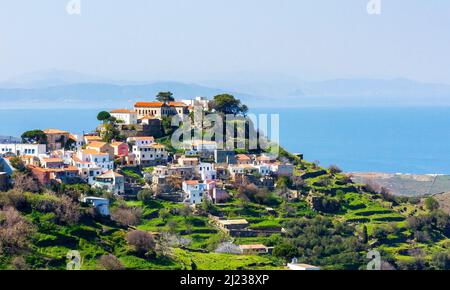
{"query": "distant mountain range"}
[(100, 95), (9, 139), (75, 90)]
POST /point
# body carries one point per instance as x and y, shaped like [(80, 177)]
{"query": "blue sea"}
[(406, 140)]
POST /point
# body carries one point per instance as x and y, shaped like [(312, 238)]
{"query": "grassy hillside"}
[(311, 234)]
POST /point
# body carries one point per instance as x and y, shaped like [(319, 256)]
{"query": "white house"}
[(195, 191), (196, 146), (128, 117), (206, 171), (197, 101), (235, 169), (101, 205), (141, 141), (263, 169), (150, 154), (283, 169), (87, 170), (65, 155), (23, 149), (110, 181), (78, 139), (98, 159)]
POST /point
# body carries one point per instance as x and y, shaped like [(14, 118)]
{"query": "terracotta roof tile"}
[(149, 104), (123, 111), (96, 144), (55, 131)]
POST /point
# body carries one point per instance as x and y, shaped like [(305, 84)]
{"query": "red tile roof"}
[(177, 104), (253, 247), (96, 144), (242, 157), (122, 111), (191, 182), (51, 160), (92, 151), (159, 104), (149, 104), (55, 131)]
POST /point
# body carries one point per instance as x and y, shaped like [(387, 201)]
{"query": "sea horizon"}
[(406, 140)]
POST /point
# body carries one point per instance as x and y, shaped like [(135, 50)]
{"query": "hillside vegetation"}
[(334, 232)]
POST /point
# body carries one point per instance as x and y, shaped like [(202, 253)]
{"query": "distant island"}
[(66, 89)]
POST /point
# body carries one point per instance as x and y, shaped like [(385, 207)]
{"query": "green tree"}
[(17, 164), (334, 169), (109, 132), (164, 214), (103, 116), (145, 195), (431, 204), (380, 233), (365, 235), (166, 123), (208, 207), (34, 136), (69, 144), (228, 104), (285, 250), (165, 97)]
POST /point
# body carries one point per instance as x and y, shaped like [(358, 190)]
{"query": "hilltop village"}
[(126, 198), (126, 146)]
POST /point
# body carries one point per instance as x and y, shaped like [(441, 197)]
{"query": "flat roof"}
[(303, 265), (254, 246), (233, 222)]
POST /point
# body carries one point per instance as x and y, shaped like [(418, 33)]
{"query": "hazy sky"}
[(211, 39)]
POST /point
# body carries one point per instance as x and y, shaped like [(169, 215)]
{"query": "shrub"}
[(67, 211), (126, 216), (19, 263), (145, 195), (141, 241), (441, 260), (431, 204), (13, 199), (110, 262), (15, 231), (24, 182), (285, 250), (334, 169)]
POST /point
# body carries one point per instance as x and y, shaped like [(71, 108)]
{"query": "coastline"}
[(405, 184)]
